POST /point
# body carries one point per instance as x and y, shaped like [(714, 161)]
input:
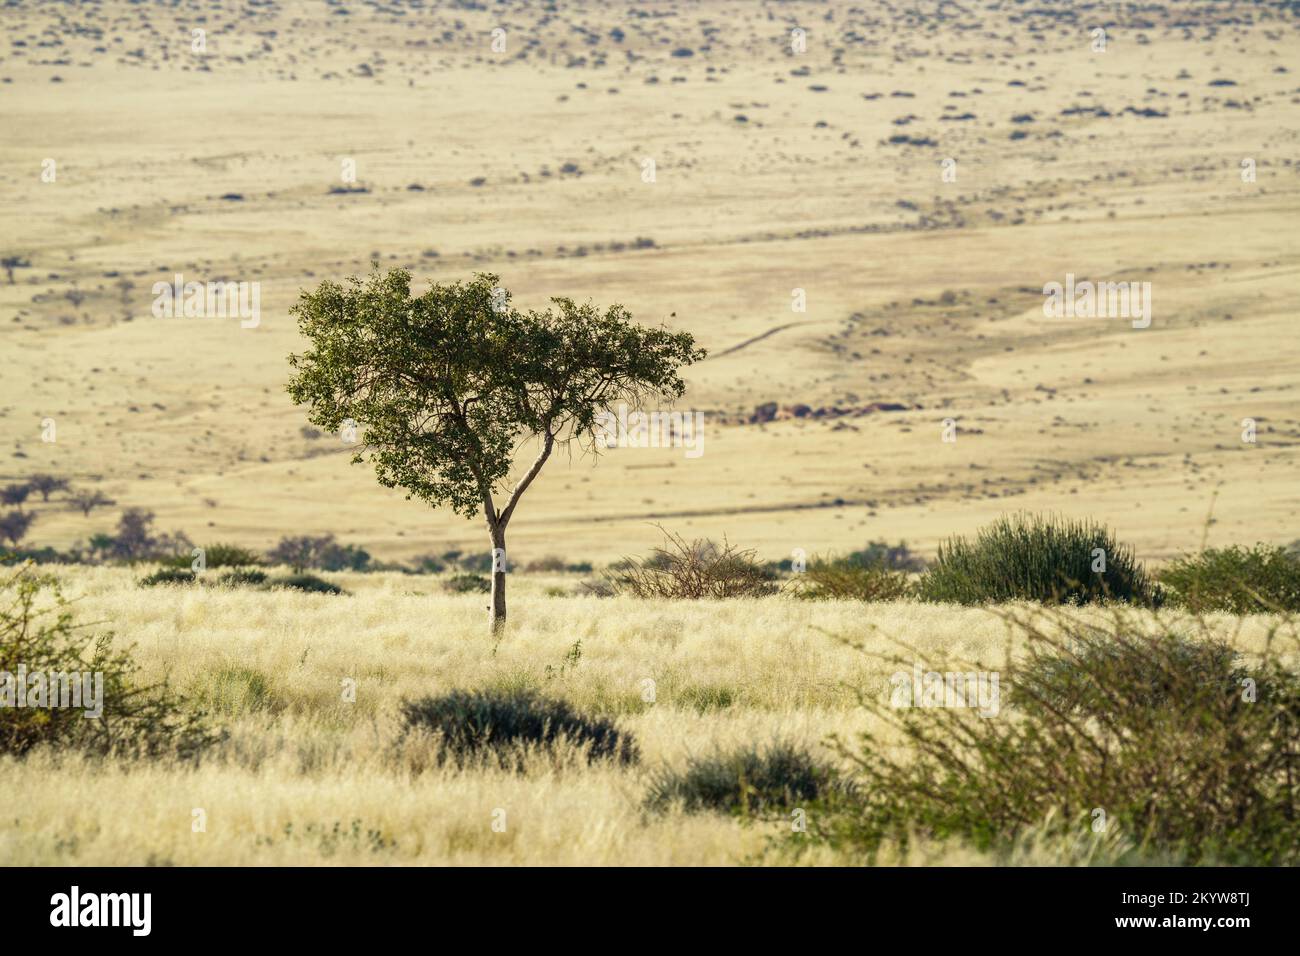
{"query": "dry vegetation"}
[(776, 172), (300, 762)]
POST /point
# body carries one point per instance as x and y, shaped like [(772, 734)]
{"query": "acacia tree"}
[(447, 387)]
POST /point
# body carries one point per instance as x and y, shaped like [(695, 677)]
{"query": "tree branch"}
[(527, 479)]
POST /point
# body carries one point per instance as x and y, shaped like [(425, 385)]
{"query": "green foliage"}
[(692, 570), (243, 578), (445, 383), (467, 584), (851, 581), (773, 781), (500, 726), (230, 556), (306, 582), (40, 635), (1035, 558), (1179, 749), (168, 576), (1263, 579)]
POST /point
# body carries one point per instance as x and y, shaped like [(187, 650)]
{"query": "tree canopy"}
[(445, 387)]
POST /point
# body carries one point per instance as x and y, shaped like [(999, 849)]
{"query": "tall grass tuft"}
[(839, 580), (1037, 558)]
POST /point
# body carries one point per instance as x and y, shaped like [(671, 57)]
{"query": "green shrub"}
[(501, 726), (834, 580), (230, 556), (306, 582), (1033, 558), (693, 570), (467, 584), (1078, 681), (1179, 751), (243, 578), (41, 637), (1263, 579), (168, 576), (772, 781)]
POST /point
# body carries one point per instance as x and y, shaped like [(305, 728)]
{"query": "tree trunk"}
[(498, 610)]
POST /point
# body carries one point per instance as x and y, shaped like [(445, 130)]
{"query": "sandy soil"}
[(775, 170)]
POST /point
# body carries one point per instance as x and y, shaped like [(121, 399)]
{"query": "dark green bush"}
[(1263, 579), (40, 636), (243, 578), (168, 576), (306, 582), (1190, 754), (1079, 681), (467, 584), (230, 556), (499, 726), (1035, 558), (772, 781)]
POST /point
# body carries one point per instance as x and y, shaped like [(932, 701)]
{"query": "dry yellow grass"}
[(300, 760), (775, 172)]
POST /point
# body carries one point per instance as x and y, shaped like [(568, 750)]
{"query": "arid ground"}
[(774, 171), (854, 207)]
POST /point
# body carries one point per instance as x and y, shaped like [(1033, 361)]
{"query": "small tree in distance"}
[(448, 386), (87, 501), (46, 485), (14, 525)]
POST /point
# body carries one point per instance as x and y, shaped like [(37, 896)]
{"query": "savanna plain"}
[(906, 468)]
